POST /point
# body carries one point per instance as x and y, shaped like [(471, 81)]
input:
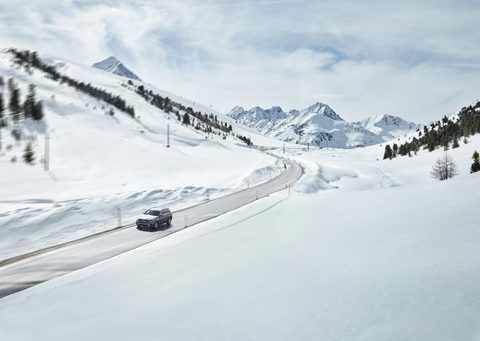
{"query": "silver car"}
[(153, 217)]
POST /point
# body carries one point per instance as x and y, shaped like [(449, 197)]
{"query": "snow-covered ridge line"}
[(388, 126), (318, 125), (30, 59)]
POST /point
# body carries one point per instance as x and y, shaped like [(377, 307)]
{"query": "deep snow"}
[(361, 250)]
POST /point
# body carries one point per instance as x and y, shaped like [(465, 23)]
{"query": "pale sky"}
[(419, 60)]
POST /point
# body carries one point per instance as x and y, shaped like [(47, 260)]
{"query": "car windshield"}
[(153, 212)]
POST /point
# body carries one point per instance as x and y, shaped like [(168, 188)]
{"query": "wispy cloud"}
[(405, 58)]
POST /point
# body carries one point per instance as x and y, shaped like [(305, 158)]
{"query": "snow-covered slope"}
[(387, 126), (387, 253), (113, 65), (319, 126), (101, 163)]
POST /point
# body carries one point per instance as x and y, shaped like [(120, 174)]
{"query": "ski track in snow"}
[(387, 178)]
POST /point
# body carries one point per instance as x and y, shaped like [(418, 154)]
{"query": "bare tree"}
[(444, 168)]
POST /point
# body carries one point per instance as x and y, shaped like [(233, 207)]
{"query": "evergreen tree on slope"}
[(476, 163), (28, 153)]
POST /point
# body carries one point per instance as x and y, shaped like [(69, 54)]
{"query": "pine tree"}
[(434, 138), (455, 142), (444, 142), (31, 108), (14, 104), (2, 81), (476, 163), (186, 119), (388, 152), (11, 84), (29, 104), (28, 153), (38, 111), (431, 145), (2, 106)]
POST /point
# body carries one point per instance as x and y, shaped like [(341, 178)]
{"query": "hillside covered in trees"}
[(444, 133), (207, 123)]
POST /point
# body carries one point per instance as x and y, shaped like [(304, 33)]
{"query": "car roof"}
[(158, 208)]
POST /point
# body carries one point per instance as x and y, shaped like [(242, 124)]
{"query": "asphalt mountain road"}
[(44, 265)]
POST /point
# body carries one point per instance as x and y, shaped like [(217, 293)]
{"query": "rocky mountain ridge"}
[(319, 125)]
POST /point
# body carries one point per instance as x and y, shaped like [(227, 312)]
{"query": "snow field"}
[(365, 261)]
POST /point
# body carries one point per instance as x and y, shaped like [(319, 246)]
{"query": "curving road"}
[(44, 265)]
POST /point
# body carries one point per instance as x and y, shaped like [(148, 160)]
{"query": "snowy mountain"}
[(102, 158), (317, 125), (113, 65), (320, 126), (387, 126)]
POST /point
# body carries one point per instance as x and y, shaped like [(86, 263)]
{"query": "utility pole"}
[(284, 148), (47, 152), (168, 135), (119, 216), (308, 146)]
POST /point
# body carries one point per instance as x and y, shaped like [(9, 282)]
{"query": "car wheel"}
[(169, 222), (155, 226)]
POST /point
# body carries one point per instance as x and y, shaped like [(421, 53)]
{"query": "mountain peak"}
[(115, 66), (387, 126), (320, 126), (324, 110)]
